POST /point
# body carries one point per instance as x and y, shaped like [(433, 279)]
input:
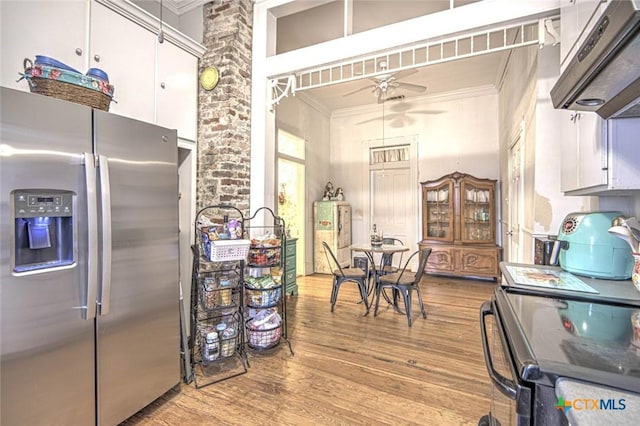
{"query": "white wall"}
[(524, 98), (549, 204), (524, 101), (461, 135), (310, 122)]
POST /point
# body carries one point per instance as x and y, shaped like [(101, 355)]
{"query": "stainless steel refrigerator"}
[(89, 294)]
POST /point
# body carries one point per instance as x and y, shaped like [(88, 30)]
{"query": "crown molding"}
[(313, 103), (184, 6), (179, 7)]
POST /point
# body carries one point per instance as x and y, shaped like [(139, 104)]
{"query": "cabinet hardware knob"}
[(78, 51), (96, 58), (162, 85)]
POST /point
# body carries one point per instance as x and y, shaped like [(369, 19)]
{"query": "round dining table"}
[(370, 251)]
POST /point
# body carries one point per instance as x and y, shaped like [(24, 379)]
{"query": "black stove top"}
[(554, 337)]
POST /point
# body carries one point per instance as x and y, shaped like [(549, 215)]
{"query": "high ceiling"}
[(305, 22), (298, 27), (461, 74)]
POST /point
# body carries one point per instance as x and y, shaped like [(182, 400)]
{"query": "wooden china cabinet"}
[(459, 225)]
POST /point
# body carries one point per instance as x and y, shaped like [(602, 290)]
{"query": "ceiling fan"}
[(385, 84), (401, 114)]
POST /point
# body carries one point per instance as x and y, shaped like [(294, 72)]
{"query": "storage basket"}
[(229, 342), (228, 317), (264, 256), (264, 339), (264, 330), (226, 250), (205, 353), (219, 290), (261, 297), (220, 297), (68, 85)]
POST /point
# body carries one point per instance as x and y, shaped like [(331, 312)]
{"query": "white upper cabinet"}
[(577, 17), (603, 158), (587, 144), (177, 90), (29, 28), (568, 148), (153, 82), (126, 52), (591, 151)]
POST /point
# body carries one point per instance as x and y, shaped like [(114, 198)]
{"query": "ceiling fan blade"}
[(400, 121), (353, 92), (412, 87), (389, 117)]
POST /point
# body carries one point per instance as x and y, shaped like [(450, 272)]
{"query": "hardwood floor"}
[(349, 369)]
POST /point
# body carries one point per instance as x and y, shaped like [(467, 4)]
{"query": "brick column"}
[(224, 113)]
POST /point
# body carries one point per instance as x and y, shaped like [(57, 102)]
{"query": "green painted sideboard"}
[(291, 287)]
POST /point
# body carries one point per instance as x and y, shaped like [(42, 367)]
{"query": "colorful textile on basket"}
[(52, 73)]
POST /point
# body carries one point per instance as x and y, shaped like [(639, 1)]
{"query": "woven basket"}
[(70, 92), (68, 86)]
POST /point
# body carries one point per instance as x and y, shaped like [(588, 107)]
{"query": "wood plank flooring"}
[(353, 370)]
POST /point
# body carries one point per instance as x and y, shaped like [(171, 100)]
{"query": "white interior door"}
[(391, 192)]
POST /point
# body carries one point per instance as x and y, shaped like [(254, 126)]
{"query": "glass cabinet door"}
[(476, 213), (438, 212)]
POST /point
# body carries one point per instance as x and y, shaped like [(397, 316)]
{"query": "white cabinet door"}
[(126, 52), (624, 155), (49, 28), (177, 90), (568, 30), (591, 150), (583, 151), (568, 154)]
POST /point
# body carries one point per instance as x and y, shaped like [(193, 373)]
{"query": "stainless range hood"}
[(604, 75)]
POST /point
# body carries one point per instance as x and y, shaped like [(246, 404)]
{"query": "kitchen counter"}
[(615, 291), (620, 408)]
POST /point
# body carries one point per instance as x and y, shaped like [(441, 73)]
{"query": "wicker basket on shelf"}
[(68, 85)]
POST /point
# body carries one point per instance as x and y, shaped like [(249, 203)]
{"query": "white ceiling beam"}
[(431, 27)]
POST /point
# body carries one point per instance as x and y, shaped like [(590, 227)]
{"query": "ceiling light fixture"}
[(591, 102), (161, 32), (384, 159)]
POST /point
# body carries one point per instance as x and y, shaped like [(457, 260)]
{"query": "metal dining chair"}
[(404, 282), (342, 275), (386, 262)]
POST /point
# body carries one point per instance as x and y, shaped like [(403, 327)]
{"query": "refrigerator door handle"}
[(92, 235), (105, 194)]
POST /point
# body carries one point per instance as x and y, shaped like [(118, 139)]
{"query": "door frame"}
[(517, 190), (303, 237), (412, 206)]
